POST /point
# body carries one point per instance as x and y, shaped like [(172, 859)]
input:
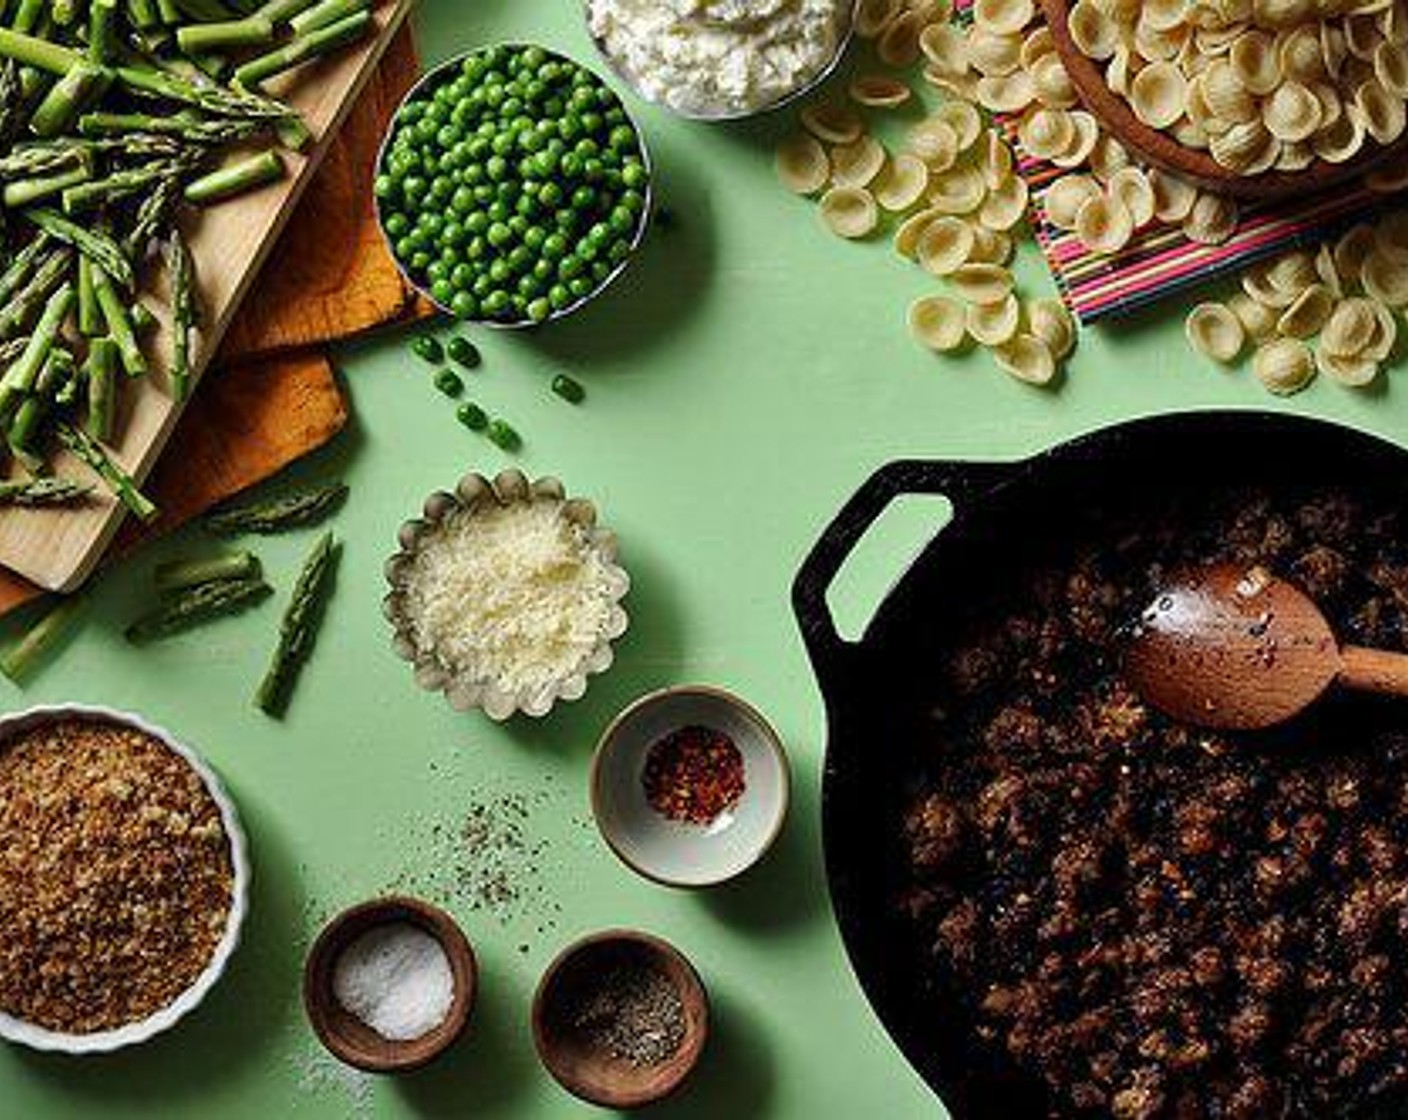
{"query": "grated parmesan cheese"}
[(518, 596)]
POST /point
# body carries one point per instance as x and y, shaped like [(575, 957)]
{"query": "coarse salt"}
[(396, 979)]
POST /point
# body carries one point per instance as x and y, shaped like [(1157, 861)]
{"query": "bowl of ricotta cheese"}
[(719, 60)]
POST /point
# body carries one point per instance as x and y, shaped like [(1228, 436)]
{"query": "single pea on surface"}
[(513, 185), (428, 349), (448, 382), (463, 352), (569, 389), (502, 435), (472, 416)]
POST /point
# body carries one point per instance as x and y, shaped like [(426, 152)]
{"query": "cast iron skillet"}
[(877, 692)]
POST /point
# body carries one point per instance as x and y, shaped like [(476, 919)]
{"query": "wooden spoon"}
[(1236, 648), (1162, 150)]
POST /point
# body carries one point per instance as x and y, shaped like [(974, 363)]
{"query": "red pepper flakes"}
[(693, 775)]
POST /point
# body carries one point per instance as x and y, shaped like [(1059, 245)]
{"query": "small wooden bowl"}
[(347, 1037), (601, 1078)]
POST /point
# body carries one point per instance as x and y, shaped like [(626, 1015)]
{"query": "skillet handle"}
[(962, 483)]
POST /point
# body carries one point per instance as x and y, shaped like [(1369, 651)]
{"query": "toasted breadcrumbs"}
[(115, 876)]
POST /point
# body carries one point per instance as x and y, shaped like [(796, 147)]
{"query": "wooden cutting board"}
[(56, 549), (326, 287)]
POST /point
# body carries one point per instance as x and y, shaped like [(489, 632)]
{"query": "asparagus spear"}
[(185, 311), (182, 575), (324, 13), (20, 269), (24, 657), (236, 178), (186, 127), (298, 629), (303, 507), (303, 49), (49, 491), (153, 212), (26, 192), (22, 310), (203, 38), (40, 159), (100, 373), (66, 98), (197, 604), (216, 100), (28, 50), (104, 251), (82, 445), (20, 377), (119, 323)]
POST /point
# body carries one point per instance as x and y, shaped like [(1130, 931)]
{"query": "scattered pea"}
[(428, 349), (463, 351), (569, 389), (448, 382), (472, 416), (501, 434)]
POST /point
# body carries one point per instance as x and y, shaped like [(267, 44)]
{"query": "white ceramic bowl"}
[(669, 852), (100, 1042)]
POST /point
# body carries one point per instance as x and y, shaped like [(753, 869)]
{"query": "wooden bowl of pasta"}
[(1254, 112)]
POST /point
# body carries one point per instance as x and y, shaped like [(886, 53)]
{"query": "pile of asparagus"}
[(114, 114)]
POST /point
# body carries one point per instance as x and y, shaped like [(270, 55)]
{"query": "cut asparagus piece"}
[(298, 630), (236, 178), (87, 449), (193, 605), (48, 491), (180, 575), (291, 511), (24, 657)]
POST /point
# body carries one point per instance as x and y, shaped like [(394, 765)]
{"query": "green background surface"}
[(742, 380)]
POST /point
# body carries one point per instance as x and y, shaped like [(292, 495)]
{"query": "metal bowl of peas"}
[(512, 186)]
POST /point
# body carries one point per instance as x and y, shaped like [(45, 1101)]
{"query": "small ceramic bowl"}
[(101, 1042), (585, 1070), (428, 82), (679, 854), (473, 492), (349, 1039), (815, 82)]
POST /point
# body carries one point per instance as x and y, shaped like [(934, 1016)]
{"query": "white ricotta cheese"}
[(715, 57), (518, 595)]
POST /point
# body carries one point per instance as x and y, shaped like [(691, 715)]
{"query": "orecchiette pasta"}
[(801, 163), (849, 212), (938, 322), (1214, 331)]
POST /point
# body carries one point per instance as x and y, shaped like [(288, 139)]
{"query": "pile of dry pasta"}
[(957, 202), (1330, 311), (954, 192), (1258, 84)]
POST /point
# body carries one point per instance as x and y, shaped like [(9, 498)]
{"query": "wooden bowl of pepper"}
[(620, 1019), (690, 786)]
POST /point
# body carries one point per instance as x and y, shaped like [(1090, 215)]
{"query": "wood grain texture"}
[(1162, 150), (229, 242), (331, 287), (247, 423)]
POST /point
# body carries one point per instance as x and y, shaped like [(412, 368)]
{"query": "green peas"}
[(428, 349), (448, 382), (463, 352), (568, 389), (513, 187), (502, 435), (472, 416)]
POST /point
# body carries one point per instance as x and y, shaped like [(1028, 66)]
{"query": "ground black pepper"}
[(630, 1011)]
